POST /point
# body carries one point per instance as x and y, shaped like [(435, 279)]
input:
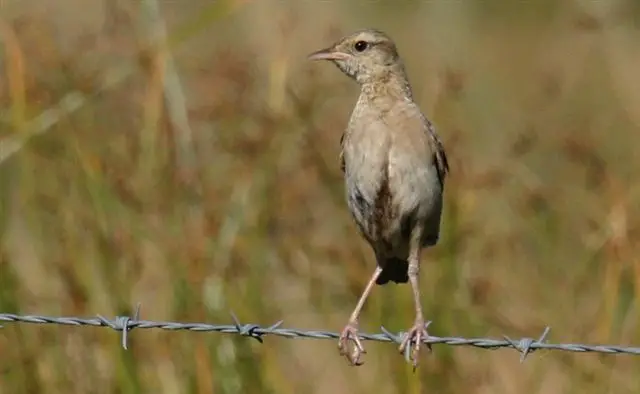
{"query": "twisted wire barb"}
[(124, 324)]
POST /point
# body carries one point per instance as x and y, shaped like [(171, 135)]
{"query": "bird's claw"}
[(352, 353), (414, 338)]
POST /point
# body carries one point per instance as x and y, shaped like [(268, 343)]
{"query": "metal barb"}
[(526, 346), (543, 337), (428, 337), (392, 337), (122, 323), (247, 330), (272, 328), (407, 349)]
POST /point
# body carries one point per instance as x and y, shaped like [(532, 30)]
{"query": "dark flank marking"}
[(382, 207), (393, 269), (361, 211)]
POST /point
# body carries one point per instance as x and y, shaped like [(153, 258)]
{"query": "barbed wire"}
[(125, 324)]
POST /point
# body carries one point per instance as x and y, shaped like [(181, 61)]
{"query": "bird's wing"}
[(408, 115), (342, 152), (439, 155)]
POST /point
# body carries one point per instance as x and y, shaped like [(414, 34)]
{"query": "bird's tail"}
[(394, 270)]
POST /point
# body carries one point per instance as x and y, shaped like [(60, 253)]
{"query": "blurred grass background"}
[(192, 166)]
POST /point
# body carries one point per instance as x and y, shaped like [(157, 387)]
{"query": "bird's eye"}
[(360, 46)]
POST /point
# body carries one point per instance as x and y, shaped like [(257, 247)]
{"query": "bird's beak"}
[(328, 54)]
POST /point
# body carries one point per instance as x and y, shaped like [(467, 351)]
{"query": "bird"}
[(394, 166)]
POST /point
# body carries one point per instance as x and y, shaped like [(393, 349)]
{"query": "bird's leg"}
[(418, 332), (351, 329)]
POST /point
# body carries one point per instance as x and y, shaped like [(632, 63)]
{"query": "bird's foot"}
[(414, 338), (352, 353)]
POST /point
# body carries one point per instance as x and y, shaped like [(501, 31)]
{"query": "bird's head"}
[(366, 56)]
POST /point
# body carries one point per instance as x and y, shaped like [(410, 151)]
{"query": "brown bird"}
[(394, 167)]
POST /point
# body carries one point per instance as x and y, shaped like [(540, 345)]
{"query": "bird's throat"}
[(389, 87)]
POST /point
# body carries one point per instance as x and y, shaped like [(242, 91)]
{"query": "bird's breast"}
[(391, 184)]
